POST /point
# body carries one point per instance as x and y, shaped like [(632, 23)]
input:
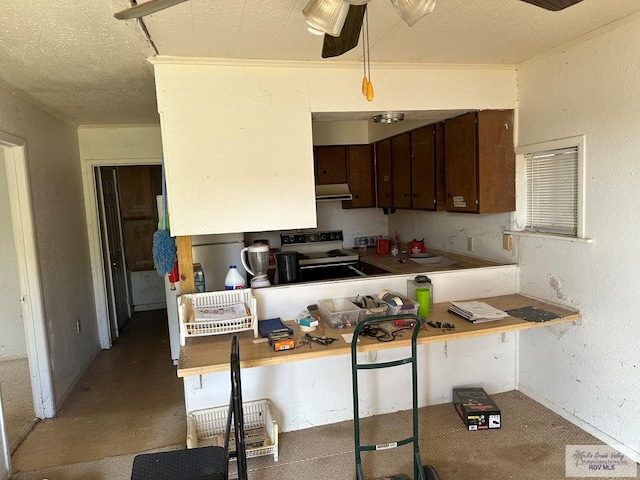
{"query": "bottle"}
[(421, 290), (198, 278), (234, 280)]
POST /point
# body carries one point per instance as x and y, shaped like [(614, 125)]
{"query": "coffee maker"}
[(255, 259), (287, 267)]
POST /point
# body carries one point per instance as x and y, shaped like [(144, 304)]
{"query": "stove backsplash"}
[(357, 222)]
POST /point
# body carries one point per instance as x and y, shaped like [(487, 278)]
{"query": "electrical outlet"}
[(470, 244), (78, 326), (507, 241)]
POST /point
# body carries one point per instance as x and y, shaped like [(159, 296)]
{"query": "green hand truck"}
[(420, 471)]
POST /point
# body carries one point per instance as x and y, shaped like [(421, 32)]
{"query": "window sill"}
[(549, 236)]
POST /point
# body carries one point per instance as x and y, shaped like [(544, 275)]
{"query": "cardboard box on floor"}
[(477, 410)]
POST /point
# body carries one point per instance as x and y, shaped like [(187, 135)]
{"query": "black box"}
[(477, 410)]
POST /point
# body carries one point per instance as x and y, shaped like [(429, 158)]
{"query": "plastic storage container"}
[(234, 280), (339, 312), (207, 427), (231, 300), (398, 304), (370, 306)]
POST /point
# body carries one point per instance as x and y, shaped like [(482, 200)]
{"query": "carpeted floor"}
[(17, 400), (531, 445)]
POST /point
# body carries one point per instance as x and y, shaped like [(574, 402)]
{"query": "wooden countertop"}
[(402, 264), (202, 355)]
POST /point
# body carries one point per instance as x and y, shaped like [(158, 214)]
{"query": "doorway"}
[(23, 289), (105, 182)]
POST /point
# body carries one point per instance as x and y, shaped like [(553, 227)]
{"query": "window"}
[(552, 191), (553, 175)]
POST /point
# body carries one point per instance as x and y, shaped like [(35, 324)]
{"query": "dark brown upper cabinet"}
[(383, 173), (401, 170), (480, 162), (423, 168), (361, 176), (330, 164)]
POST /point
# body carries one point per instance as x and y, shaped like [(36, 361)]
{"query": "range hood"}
[(334, 192)]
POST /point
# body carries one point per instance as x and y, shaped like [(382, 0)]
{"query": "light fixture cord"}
[(368, 60)]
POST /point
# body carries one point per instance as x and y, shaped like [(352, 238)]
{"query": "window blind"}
[(552, 191)]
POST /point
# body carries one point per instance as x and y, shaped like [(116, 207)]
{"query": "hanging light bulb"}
[(328, 16), (357, 2), (413, 10)]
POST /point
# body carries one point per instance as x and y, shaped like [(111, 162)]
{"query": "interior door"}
[(113, 250)]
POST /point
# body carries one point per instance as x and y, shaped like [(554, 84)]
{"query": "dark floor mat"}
[(532, 314)]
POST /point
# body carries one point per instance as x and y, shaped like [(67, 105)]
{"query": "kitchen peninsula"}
[(202, 355), (311, 386)]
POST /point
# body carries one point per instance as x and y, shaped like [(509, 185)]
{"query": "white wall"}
[(589, 373), (355, 222), (61, 236), (449, 232), (12, 339)]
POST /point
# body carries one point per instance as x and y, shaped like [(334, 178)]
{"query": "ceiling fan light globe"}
[(328, 16), (413, 10), (314, 31)]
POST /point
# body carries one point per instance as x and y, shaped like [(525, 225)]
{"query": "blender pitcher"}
[(255, 259)]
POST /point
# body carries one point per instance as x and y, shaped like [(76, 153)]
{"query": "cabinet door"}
[(461, 163), (136, 193), (361, 176), (383, 171), (330, 164), (401, 170), (423, 168), (441, 177), (496, 162)]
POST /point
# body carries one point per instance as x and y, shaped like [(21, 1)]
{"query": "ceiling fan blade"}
[(146, 8), (348, 39), (553, 5)]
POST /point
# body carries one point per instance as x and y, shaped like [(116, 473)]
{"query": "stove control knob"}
[(332, 236), (312, 238)]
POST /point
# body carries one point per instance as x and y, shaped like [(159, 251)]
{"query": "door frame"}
[(95, 237), (5, 448), (15, 159)]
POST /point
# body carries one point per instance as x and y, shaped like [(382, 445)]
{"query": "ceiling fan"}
[(346, 16), (139, 10), (409, 10)]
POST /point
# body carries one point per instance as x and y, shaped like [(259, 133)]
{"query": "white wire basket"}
[(190, 304), (207, 427)]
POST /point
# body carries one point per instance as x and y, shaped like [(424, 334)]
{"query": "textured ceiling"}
[(77, 60)]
